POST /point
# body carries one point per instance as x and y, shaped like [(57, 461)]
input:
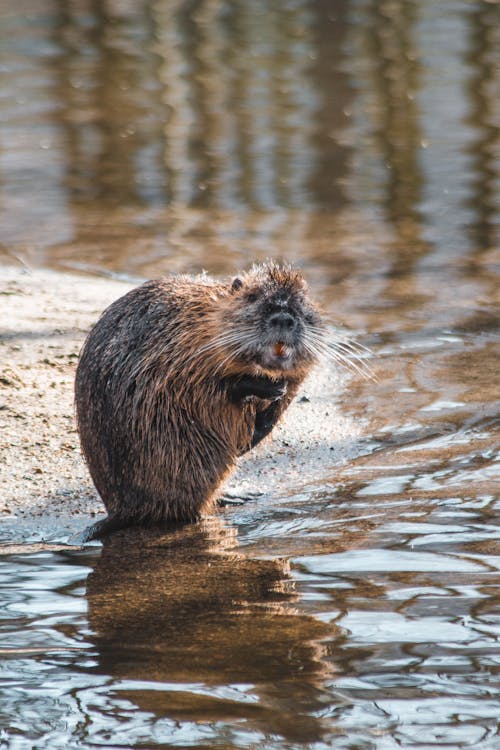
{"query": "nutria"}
[(181, 376)]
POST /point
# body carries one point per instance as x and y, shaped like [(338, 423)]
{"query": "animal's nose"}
[(282, 321)]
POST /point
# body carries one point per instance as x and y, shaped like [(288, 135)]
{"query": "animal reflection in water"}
[(185, 607)]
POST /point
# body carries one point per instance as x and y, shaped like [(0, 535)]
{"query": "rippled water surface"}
[(361, 140)]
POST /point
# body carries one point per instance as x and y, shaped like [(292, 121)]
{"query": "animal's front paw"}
[(263, 388), (274, 391)]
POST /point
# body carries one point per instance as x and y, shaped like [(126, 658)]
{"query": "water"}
[(361, 140)]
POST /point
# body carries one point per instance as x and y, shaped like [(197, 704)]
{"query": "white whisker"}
[(345, 351), (321, 348)]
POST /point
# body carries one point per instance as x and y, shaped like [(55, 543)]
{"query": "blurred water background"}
[(359, 139)]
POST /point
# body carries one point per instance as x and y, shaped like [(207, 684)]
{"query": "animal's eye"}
[(237, 284), (252, 297)]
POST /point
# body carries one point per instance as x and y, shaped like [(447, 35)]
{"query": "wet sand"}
[(45, 491)]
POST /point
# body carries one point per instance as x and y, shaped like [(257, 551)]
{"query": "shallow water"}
[(359, 139)]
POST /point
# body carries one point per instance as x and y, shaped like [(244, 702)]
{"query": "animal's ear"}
[(237, 284)]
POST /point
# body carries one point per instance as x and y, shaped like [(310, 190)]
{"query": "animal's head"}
[(272, 320)]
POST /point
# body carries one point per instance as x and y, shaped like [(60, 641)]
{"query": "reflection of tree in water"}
[(212, 133), (243, 107), (185, 607), (482, 89), (225, 90), (387, 79), (328, 73), (390, 36), (189, 124), (391, 45), (109, 112)]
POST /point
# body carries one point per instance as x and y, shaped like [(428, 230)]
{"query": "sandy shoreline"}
[(45, 490)]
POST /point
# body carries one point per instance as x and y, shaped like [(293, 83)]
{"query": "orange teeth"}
[(280, 349)]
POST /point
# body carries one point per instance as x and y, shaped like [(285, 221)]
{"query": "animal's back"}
[(146, 408)]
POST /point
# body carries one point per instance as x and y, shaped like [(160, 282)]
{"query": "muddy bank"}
[(45, 490)]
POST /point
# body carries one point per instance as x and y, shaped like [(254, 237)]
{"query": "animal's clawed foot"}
[(275, 390), (264, 388)]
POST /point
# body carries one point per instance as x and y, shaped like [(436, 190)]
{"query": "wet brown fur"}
[(157, 425)]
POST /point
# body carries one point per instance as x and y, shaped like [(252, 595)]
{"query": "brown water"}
[(361, 140)]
